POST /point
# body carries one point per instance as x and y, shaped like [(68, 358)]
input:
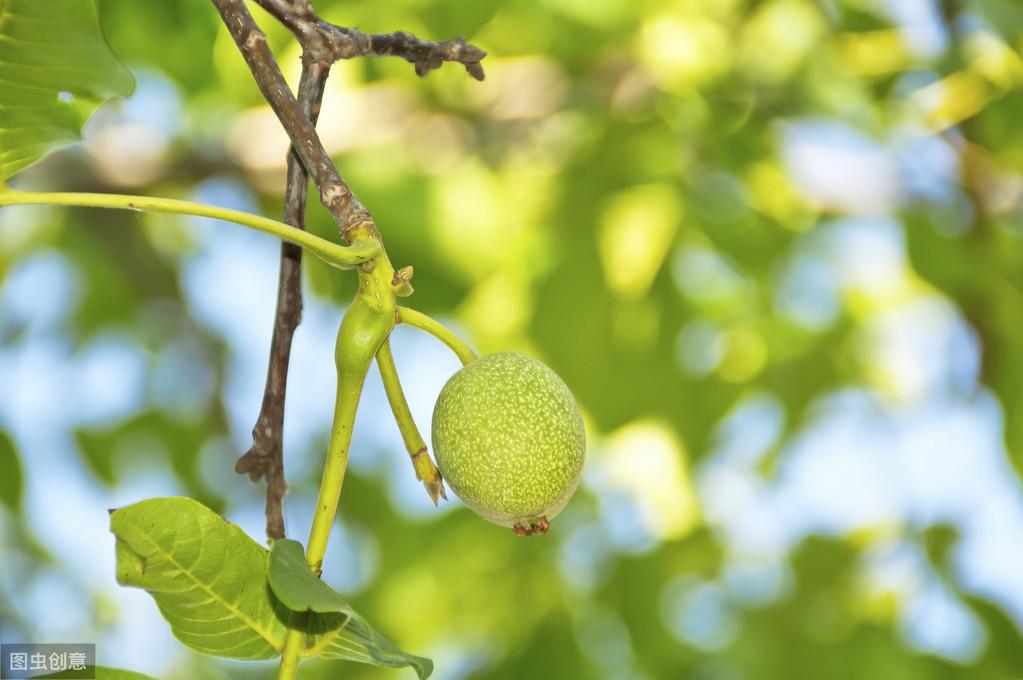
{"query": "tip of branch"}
[(475, 69), (472, 53)]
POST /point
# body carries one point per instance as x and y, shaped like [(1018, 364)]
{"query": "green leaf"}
[(295, 584), (207, 577), (210, 581), (55, 70), (358, 641), (11, 480)]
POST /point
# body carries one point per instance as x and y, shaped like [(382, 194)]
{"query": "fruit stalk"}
[(349, 390), (364, 329), (421, 321), (426, 471)]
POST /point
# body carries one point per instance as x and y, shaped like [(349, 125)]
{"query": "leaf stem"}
[(426, 471), (364, 328), (344, 257), (348, 393), (349, 390), (423, 322), (294, 641)]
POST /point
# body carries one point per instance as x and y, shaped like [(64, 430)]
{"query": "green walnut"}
[(509, 440)]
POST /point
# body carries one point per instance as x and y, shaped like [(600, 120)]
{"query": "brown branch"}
[(266, 457), (322, 44), (330, 41), (335, 195), (423, 54), (307, 158)]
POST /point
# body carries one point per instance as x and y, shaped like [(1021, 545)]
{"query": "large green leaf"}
[(295, 584), (207, 577), (210, 581), (55, 70)]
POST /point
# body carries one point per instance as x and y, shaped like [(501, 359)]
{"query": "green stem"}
[(419, 320), (426, 471), (363, 330), (337, 255), (349, 390), (348, 393), (294, 641), (396, 397)]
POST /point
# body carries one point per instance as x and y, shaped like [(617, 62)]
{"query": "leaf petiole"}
[(343, 257)]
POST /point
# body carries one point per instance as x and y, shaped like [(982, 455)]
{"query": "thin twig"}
[(325, 40), (334, 192), (423, 54), (322, 44), (266, 457)]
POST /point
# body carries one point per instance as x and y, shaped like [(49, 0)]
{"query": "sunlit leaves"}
[(11, 477), (638, 227), (56, 70)]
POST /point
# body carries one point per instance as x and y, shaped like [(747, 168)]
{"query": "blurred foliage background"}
[(775, 248)]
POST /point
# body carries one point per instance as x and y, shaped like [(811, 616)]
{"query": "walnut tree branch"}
[(335, 195), (266, 457), (322, 43), (329, 41)]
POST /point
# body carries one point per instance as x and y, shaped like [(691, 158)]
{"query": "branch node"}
[(254, 38)]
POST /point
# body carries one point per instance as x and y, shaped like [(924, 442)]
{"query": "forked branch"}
[(266, 457), (322, 43), (326, 41), (334, 192)]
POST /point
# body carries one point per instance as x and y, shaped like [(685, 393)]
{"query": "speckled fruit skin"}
[(509, 440)]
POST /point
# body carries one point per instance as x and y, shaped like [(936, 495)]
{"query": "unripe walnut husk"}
[(509, 440)]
